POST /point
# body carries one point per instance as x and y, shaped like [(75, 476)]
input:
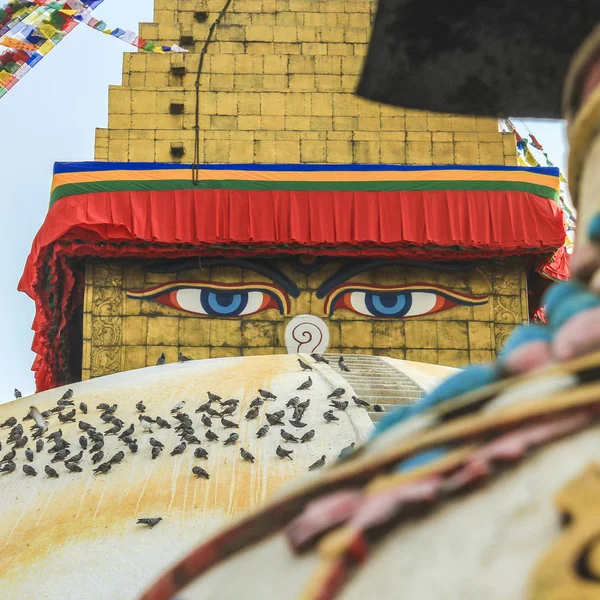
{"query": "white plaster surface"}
[(75, 537)]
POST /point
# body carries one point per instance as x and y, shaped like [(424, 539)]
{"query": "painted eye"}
[(217, 300), (397, 303)]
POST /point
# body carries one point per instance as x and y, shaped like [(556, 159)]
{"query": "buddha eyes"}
[(238, 300), (397, 302), (217, 299)]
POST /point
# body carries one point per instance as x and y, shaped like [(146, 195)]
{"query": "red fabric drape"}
[(428, 225)]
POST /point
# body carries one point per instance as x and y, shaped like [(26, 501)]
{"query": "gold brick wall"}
[(277, 87), (121, 333)]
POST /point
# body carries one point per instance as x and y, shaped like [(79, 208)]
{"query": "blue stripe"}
[(82, 167)]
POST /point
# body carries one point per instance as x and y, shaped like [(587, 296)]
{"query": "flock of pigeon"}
[(215, 410)]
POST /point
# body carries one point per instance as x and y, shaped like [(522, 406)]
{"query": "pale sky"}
[(51, 115)]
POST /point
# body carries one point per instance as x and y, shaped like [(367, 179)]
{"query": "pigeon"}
[(83, 425), (50, 472), (156, 443), (8, 467), (59, 444), (178, 407), (210, 436), (304, 366), (306, 385), (292, 402), (200, 472), (146, 423), (133, 446), (213, 397), (256, 403), (126, 440), (117, 458), (97, 446), (232, 439), (247, 456), (203, 407), (156, 452), (318, 464), (57, 409), (183, 358), (329, 416), (140, 407), (267, 395), (200, 453), (67, 395), (303, 405), (10, 422), (337, 393), (68, 417), (274, 419), (76, 457), (96, 458), (65, 402), (152, 521), (282, 453), (360, 402), (73, 467), (18, 394), (54, 435), (45, 414), (161, 360), (319, 358), (106, 417), (211, 412), (230, 402), (61, 455), (95, 436), (347, 451), (297, 424), (342, 365), (252, 414), (288, 437), (113, 430), (16, 433), (29, 471), (21, 443), (378, 408), (102, 406), (40, 423), (111, 410), (162, 423), (206, 421), (103, 468), (83, 407), (179, 449), (339, 405), (262, 431), (229, 424), (39, 446), (228, 410), (29, 454), (127, 432), (308, 436)]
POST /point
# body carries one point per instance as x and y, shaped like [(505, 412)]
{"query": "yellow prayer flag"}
[(47, 30), (9, 42), (530, 158), (45, 48), (5, 76)]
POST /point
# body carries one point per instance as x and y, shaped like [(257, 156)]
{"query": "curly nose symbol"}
[(305, 334)]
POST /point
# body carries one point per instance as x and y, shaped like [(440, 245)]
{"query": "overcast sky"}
[(51, 116)]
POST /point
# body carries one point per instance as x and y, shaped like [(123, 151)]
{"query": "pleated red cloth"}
[(428, 225)]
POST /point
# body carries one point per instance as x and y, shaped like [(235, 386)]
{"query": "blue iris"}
[(223, 304), (388, 304)]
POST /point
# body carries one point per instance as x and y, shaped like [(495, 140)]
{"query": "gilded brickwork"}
[(277, 86), (124, 333)]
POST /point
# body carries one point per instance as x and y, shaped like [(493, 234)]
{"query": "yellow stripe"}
[(344, 176)]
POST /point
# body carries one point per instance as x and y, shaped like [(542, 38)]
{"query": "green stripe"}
[(75, 189)]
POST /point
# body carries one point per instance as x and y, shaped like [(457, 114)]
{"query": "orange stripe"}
[(346, 176)]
